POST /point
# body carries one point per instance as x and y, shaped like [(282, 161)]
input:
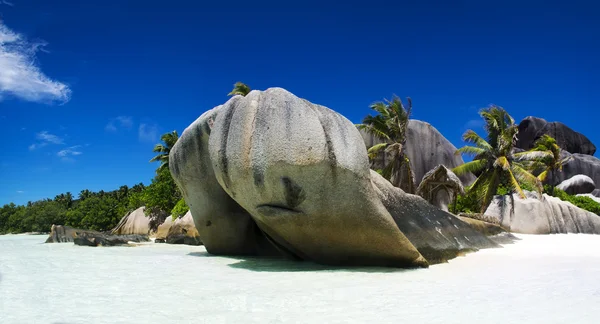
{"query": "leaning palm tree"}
[(163, 150), (390, 125), (494, 158), (546, 157), (239, 88)]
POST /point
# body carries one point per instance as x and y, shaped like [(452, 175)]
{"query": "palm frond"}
[(533, 156), (471, 137), (473, 166), (470, 150), (502, 162)]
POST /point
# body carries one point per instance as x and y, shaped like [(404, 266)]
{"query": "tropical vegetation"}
[(390, 125), (239, 88), (163, 149), (495, 161)]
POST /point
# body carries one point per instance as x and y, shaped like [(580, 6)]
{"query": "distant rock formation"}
[(135, 222), (426, 148), (549, 215), (532, 128), (577, 184), (183, 231), (163, 230), (579, 164), (66, 234), (272, 173)]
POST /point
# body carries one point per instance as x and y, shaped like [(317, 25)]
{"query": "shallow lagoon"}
[(539, 279)]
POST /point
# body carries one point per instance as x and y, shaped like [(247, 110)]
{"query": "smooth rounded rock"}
[(301, 171)]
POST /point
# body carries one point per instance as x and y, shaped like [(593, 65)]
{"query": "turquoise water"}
[(541, 279)]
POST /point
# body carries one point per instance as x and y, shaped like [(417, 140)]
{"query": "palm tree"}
[(239, 88), (547, 158), (163, 150), (495, 160), (85, 194), (390, 125)]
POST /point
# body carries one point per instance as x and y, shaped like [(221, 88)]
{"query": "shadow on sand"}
[(266, 264)]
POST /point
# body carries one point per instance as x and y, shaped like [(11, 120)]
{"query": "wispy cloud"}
[(148, 133), (20, 75), (70, 151), (119, 122), (20, 191), (44, 138), (6, 2)]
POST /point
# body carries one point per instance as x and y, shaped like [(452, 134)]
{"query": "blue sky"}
[(87, 87)]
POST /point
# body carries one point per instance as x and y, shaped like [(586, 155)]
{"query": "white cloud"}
[(6, 2), (148, 133), (120, 121), (20, 75), (70, 151), (50, 138), (44, 138), (20, 191)]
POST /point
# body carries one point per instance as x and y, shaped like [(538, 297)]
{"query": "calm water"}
[(541, 279)]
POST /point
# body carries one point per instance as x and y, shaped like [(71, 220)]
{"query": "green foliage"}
[(239, 88), (96, 213), (180, 209), (163, 150), (467, 204), (162, 194), (582, 202), (390, 124)]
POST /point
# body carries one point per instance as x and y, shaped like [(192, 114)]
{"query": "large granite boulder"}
[(578, 184), (426, 148), (532, 128), (548, 215), (135, 222), (282, 173), (183, 231), (224, 226)]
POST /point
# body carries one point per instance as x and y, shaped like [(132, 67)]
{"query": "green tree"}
[(495, 160), (85, 194), (95, 213), (546, 157), (239, 88), (390, 124), (163, 150)]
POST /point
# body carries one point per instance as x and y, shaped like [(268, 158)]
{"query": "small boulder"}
[(578, 184), (66, 234), (183, 231)]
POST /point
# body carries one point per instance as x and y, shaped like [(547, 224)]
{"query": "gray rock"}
[(100, 239), (579, 164), (224, 227), (438, 235), (65, 234), (426, 148), (577, 184), (549, 215), (596, 193), (532, 128), (302, 172)]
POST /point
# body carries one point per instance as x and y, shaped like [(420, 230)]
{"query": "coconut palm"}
[(495, 160), (546, 157), (239, 88), (390, 125), (163, 150)]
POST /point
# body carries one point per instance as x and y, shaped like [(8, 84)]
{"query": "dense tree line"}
[(101, 210)]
